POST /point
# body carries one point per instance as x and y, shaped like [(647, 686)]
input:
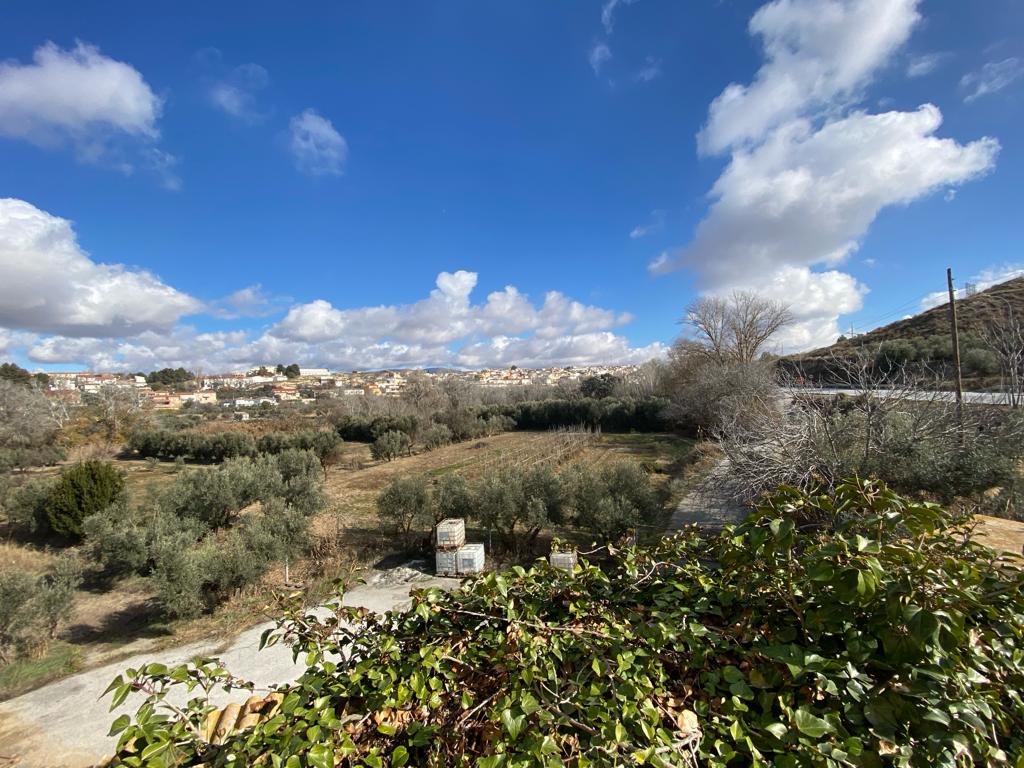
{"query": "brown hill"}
[(924, 339)]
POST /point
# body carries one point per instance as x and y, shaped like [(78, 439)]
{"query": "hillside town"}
[(270, 385)]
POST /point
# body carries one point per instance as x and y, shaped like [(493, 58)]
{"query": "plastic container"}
[(451, 533), (446, 562), (564, 560), (471, 558)]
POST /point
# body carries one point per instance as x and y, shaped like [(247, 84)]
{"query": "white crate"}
[(471, 558), (446, 562), (564, 560), (451, 533)]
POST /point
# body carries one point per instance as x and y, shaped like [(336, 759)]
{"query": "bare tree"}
[(1005, 338), (117, 407), (736, 328), (895, 424)]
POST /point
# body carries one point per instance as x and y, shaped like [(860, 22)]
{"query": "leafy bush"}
[(191, 580), (404, 506), (128, 539), (890, 639), (81, 491), (26, 505), (517, 505), (390, 445), (611, 500), (452, 498), (32, 607), (436, 435)]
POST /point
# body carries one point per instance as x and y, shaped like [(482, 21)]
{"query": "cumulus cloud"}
[(235, 93), (444, 328), (50, 285), (807, 172), (817, 53), (445, 316), (86, 99), (316, 146), (806, 196), (991, 78)]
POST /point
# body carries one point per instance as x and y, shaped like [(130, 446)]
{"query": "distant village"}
[(268, 385)]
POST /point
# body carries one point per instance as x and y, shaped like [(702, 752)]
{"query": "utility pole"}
[(956, 351)]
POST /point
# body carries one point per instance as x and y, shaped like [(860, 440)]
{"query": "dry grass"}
[(16, 556)]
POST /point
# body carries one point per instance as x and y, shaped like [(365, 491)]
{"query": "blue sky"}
[(359, 184)]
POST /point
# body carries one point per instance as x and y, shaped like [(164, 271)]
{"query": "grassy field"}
[(114, 620)]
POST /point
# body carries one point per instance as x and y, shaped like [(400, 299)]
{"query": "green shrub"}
[(890, 640), (26, 505), (128, 539), (436, 435), (178, 582), (81, 491), (612, 499), (404, 506), (517, 505), (32, 607), (390, 445), (453, 498)]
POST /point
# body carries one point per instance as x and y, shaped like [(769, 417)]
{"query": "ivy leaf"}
[(320, 756), (810, 724)]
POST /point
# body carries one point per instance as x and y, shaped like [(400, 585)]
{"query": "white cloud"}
[(991, 78), (600, 53), (50, 285), (235, 93), (445, 316), (650, 70), (986, 278), (583, 349), (806, 175), (608, 13), (642, 230), (102, 107), (318, 149), (251, 301), (818, 52), (445, 328), (925, 64), (806, 197)]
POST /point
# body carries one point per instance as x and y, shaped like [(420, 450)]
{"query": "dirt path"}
[(707, 507), (64, 724)]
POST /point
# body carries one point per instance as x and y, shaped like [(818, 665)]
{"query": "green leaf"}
[(320, 756), (399, 756), (119, 725), (513, 725), (810, 724)]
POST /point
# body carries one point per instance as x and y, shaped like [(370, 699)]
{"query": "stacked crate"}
[(453, 556), (564, 560)]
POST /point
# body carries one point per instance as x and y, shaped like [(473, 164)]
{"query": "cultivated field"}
[(115, 619)]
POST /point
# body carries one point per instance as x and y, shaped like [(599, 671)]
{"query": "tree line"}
[(517, 503), (219, 446)]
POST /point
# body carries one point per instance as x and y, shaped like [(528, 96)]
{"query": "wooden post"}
[(956, 351)]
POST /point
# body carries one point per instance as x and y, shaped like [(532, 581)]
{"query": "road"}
[(64, 724), (973, 398)]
